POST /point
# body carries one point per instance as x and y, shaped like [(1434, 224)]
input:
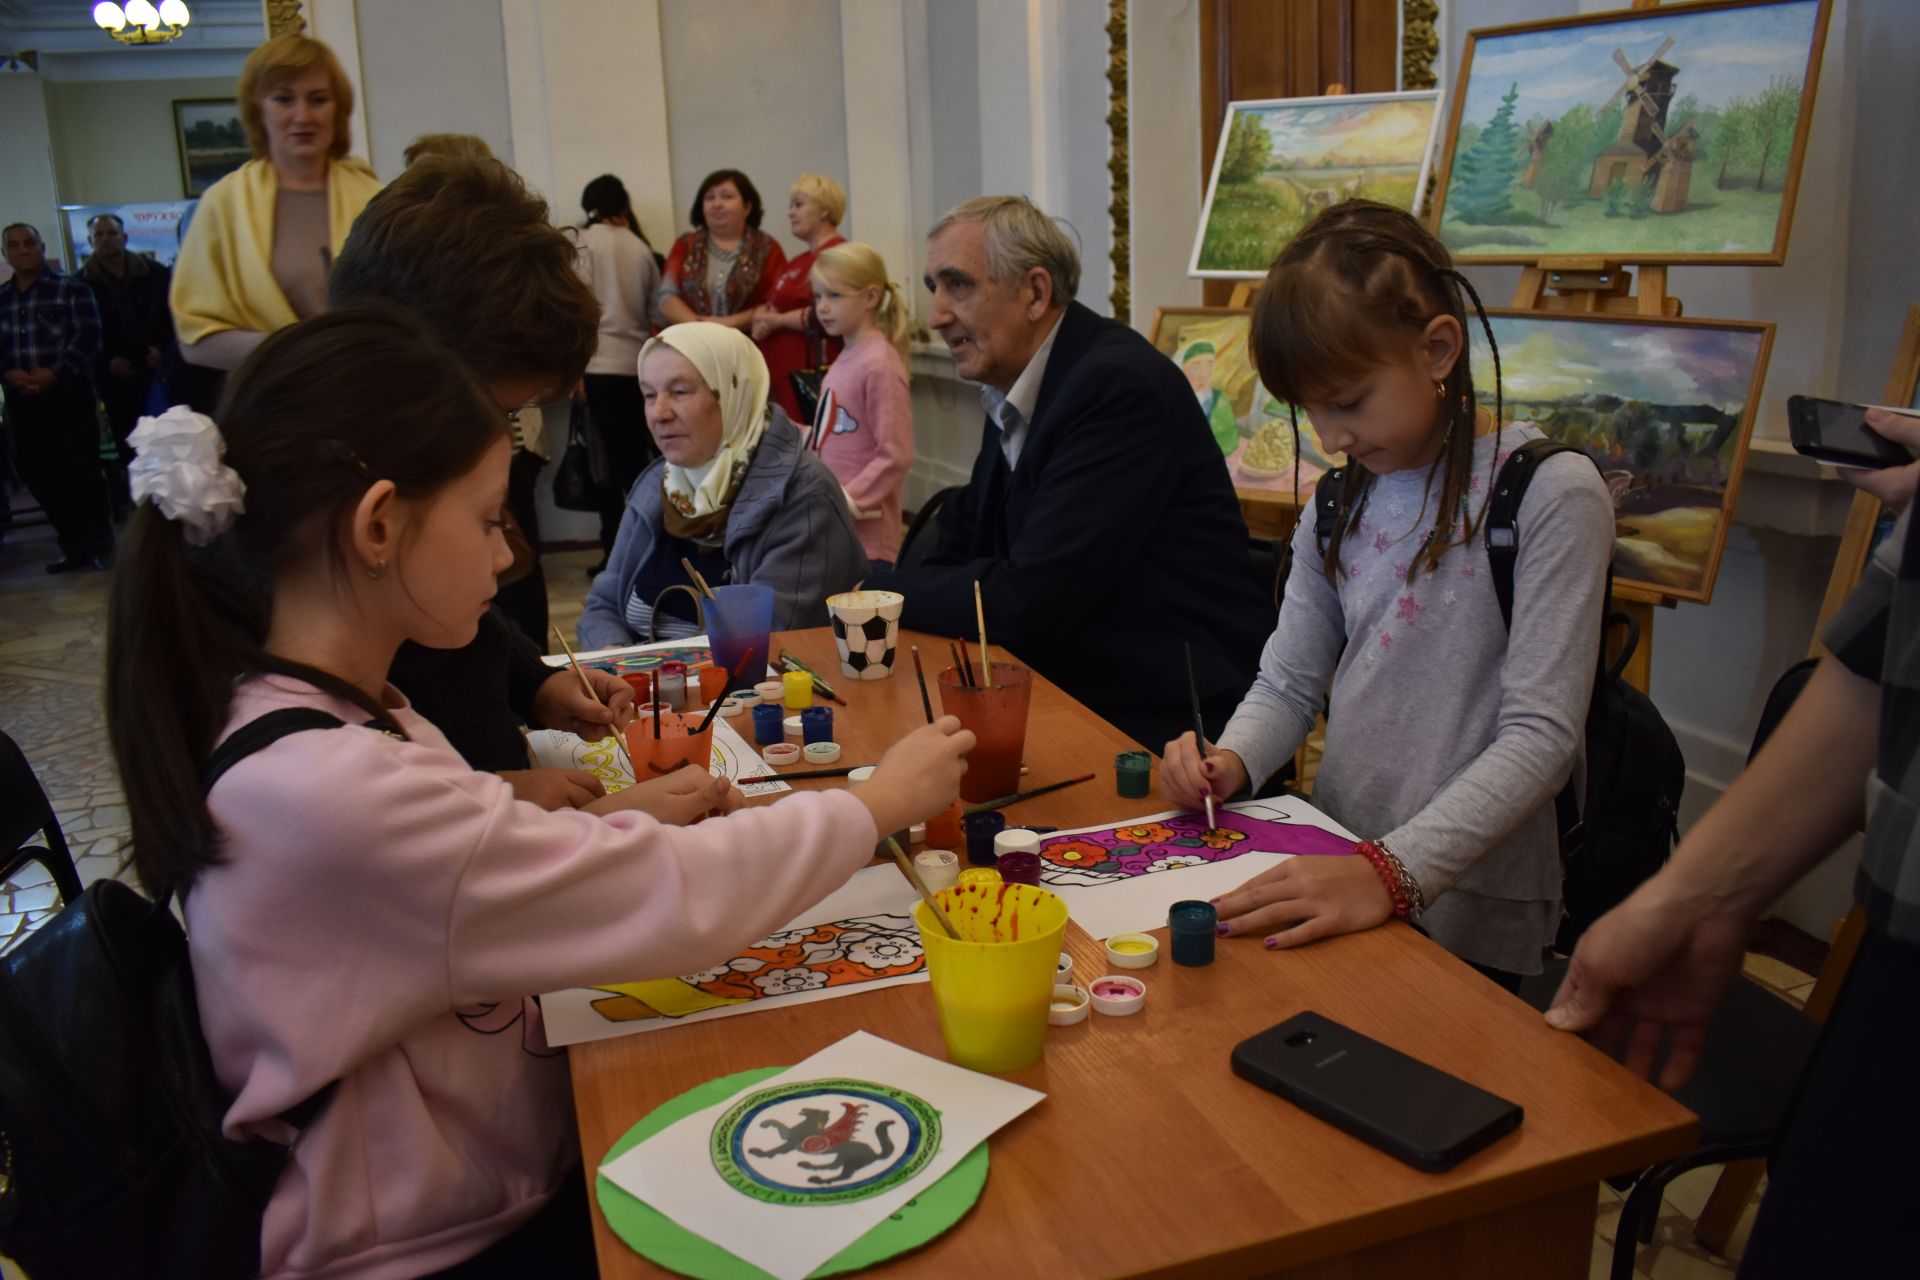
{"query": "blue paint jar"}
[(980, 829), (816, 724), (768, 723), (1194, 926)]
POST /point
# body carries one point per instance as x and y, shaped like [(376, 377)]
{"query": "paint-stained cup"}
[(677, 746), (740, 617), (996, 712), (991, 987), (866, 631)]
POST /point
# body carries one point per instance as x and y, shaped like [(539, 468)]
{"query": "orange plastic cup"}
[(713, 684), (677, 746), (943, 828), (996, 712)]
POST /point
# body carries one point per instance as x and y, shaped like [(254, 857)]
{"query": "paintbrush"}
[(920, 887), (960, 663), (1018, 796), (653, 697), (1199, 726), (619, 747), (694, 574), (820, 686), (980, 614), (920, 674), (838, 771), (733, 678)]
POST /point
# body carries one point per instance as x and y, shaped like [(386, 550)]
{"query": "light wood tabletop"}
[(1149, 1156)]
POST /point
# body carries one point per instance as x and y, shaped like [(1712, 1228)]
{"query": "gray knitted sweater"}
[(1445, 736)]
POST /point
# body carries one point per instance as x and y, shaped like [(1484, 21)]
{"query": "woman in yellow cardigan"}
[(261, 242)]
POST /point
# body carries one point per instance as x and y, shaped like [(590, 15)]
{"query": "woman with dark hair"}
[(617, 262), (724, 268)]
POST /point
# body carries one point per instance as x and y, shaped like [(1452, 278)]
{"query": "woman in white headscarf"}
[(733, 492)]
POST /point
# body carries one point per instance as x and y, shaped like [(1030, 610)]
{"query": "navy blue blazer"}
[(1117, 538)]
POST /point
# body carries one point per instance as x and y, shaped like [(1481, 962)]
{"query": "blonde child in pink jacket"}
[(864, 428), (361, 906)]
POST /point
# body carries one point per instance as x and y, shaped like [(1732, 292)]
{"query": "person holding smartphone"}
[(1892, 485)]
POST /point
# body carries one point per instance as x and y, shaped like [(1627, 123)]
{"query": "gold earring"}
[(1440, 390)]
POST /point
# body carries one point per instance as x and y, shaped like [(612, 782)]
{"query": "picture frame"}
[(1665, 407), (1656, 136), (212, 140), (1254, 432), (1387, 140)]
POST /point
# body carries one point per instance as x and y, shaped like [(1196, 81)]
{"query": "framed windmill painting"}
[(1664, 135)]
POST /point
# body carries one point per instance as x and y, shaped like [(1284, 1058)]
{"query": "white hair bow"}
[(178, 467)]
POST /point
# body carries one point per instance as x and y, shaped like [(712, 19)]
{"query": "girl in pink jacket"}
[(863, 430), (361, 907)]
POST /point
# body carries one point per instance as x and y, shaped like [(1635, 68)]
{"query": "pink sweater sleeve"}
[(889, 408)]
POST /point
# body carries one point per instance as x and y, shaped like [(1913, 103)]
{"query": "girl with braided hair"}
[(1447, 736)]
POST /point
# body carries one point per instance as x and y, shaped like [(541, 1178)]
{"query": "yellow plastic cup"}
[(992, 986)]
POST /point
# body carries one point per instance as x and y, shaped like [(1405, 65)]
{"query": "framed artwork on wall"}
[(213, 141), (1283, 160), (1665, 135)]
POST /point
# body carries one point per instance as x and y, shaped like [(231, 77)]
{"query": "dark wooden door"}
[(1289, 49)]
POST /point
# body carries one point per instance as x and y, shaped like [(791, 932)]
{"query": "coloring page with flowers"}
[(1120, 879), (859, 938)]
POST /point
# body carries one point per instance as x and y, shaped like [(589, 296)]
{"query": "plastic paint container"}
[(981, 828), (1016, 840), (821, 752), (1192, 925), (1118, 996), (798, 686), (730, 708), (938, 868), (1019, 867), (770, 690), (767, 717), (978, 875), (1133, 950), (1068, 1005), (673, 685), (816, 724), (778, 753), (1063, 970), (1133, 770)]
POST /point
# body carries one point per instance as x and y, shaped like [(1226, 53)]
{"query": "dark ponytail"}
[(1357, 278), (606, 197), (315, 416)]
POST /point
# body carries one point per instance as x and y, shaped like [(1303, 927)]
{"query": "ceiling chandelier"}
[(140, 23)]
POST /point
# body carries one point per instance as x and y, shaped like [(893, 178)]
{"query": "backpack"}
[(110, 1112), (1635, 772)]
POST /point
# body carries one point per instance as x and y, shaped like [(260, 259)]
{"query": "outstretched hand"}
[(1653, 969)]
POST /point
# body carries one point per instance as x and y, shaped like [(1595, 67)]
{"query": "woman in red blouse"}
[(784, 325), (723, 268)]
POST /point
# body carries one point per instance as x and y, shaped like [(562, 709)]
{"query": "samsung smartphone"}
[(1409, 1110), (1838, 434)]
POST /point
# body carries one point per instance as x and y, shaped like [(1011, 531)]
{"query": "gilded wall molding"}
[(284, 18), (1119, 167), (1419, 43)]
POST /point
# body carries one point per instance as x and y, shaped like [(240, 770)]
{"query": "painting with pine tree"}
[(1664, 407), (1282, 160), (1670, 135)]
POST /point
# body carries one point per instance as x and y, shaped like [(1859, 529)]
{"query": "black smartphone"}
[(1409, 1110), (1837, 433)]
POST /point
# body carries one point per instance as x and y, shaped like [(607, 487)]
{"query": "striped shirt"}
[(1876, 635), (51, 324)]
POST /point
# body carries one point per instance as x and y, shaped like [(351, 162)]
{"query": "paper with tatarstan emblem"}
[(790, 1171)]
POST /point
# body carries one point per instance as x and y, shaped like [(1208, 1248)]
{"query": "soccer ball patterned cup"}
[(866, 629)]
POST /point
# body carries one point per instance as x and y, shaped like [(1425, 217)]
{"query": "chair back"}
[(24, 815)]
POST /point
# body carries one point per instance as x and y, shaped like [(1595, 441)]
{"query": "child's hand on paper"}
[(918, 777), (1305, 898), (1187, 779), (679, 799), (560, 703), (554, 788)]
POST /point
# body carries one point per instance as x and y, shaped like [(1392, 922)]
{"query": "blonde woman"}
[(264, 237), (864, 430), (782, 325)]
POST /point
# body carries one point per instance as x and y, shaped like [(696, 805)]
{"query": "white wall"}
[(1164, 121), (757, 88), (26, 158), (114, 140), (425, 70)]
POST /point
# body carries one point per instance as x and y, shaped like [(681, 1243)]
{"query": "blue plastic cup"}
[(740, 618)]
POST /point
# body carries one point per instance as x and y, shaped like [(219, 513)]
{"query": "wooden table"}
[(1149, 1157)]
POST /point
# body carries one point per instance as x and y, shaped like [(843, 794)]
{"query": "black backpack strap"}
[(1502, 524), (1326, 506)]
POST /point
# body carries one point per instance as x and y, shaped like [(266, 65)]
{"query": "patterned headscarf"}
[(732, 366)]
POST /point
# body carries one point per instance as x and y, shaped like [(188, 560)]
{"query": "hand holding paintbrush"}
[(613, 732), (1199, 725)]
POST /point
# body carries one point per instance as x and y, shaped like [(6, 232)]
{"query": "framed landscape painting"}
[(1282, 160), (1667, 135), (213, 141), (1664, 407), (1252, 428)]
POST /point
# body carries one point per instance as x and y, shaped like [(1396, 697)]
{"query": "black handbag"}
[(576, 480)]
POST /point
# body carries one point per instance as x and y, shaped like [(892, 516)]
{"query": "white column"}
[(336, 24), (874, 63)]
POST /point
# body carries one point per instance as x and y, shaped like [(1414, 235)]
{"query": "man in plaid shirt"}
[(1846, 755), (49, 337)]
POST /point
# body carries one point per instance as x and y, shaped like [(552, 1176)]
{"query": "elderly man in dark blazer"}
[(1099, 520)]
